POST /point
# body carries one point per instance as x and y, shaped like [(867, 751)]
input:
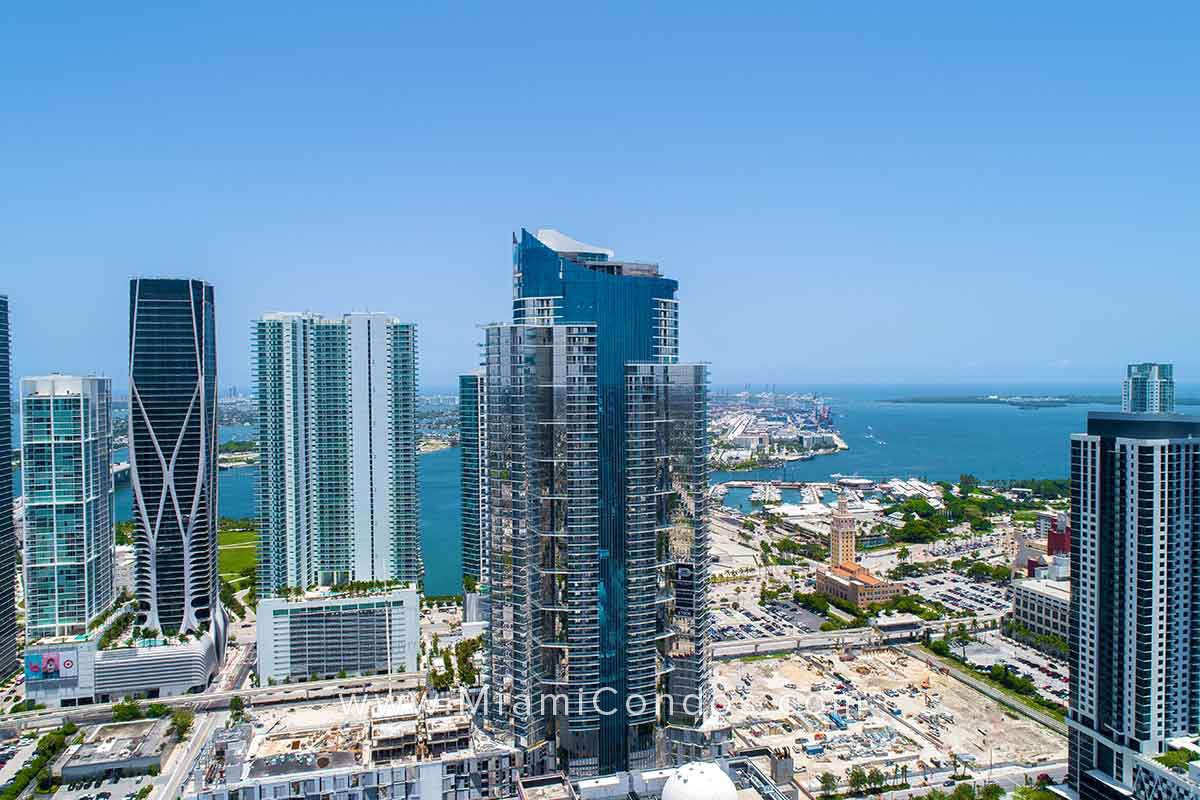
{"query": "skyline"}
[(951, 196)]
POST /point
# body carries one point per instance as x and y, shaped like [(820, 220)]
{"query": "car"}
[(948, 783), (104, 796)]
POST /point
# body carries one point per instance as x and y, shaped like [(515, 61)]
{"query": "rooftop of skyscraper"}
[(599, 259)]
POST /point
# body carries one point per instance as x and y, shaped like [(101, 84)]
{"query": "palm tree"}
[(876, 778), (904, 773)]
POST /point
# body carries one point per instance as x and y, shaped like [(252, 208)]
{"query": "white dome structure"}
[(700, 780)]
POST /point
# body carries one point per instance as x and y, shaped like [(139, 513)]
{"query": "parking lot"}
[(753, 622), (15, 754), (960, 593), (1049, 675), (102, 789), (986, 545)]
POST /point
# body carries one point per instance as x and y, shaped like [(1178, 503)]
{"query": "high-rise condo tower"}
[(337, 491), (1135, 595), (66, 475), (8, 542), (173, 455), (472, 434), (596, 465), (1148, 389)]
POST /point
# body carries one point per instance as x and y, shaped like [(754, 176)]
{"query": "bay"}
[(937, 441)]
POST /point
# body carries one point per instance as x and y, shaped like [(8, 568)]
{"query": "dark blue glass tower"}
[(8, 544), (173, 454), (596, 464)]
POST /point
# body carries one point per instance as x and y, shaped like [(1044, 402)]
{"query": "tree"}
[(857, 779), (181, 722), (876, 778), (991, 791), (469, 584), (964, 791), (237, 705), (157, 710), (829, 784), (127, 710)]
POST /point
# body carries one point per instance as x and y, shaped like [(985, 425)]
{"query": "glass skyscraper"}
[(1135, 592), (596, 465), (8, 541), (173, 455), (472, 429), (1148, 389), (337, 491), (66, 457)]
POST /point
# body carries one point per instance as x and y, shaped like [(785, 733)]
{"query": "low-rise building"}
[(398, 748), (743, 777), (1055, 528), (1043, 606), (128, 748), (856, 585), (326, 633), (115, 660)]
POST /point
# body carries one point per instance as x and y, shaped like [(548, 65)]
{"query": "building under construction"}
[(411, 747)]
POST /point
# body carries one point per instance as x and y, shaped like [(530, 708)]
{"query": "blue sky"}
[(929, 192)]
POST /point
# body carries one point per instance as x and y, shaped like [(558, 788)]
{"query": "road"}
[(183, 758), (330, 689), (735, 648)]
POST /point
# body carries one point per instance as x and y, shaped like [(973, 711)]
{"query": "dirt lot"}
[(892, 711)]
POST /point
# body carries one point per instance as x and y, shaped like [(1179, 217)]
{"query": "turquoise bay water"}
[(441, 534), (934, 441)]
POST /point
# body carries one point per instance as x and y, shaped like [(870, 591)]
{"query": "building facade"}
[(856, 585), (173, 457), (337, 490), (371, 633), (400, 749), (1148, 389), (596, 466), (1135, 586), (107, 663), (472, 436), (66, 478), (1043, 606), (8, 542)]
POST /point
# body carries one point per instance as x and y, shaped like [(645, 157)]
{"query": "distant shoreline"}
[(1015, 401)]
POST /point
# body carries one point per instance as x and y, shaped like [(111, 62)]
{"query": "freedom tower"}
[(596, 464)]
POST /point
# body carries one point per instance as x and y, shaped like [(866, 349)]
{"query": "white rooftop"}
[(559, 242)]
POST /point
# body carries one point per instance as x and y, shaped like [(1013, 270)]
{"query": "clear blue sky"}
[(928, 192)]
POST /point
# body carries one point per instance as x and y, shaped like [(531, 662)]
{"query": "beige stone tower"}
[(841, 534)]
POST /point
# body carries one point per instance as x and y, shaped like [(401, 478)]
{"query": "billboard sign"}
[(51, 665)]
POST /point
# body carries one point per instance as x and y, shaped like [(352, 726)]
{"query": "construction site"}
[(880, 709), (347, 741)]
